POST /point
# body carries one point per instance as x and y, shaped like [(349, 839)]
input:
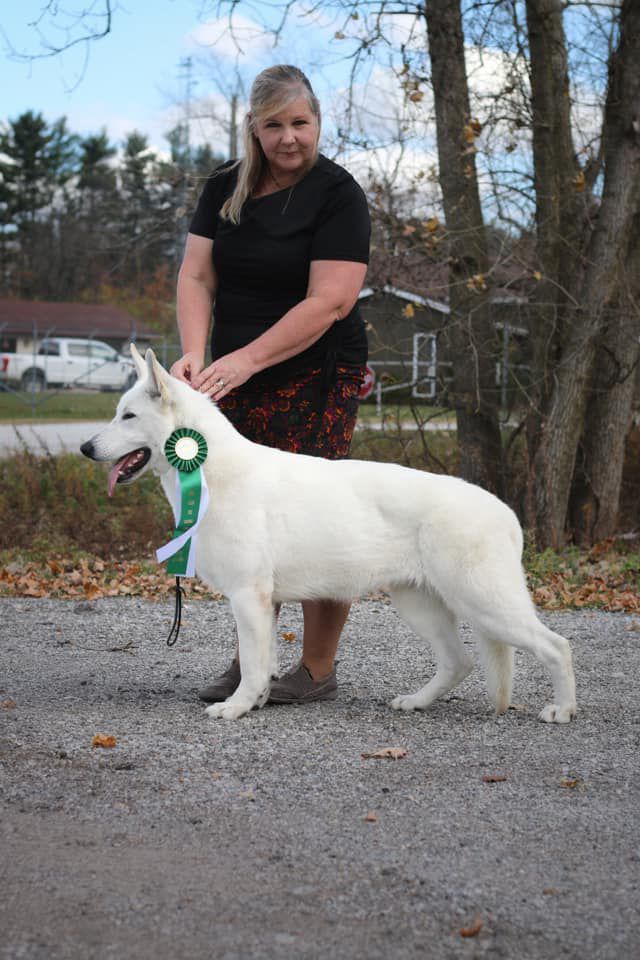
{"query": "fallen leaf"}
[(289, 636), (371, 817), (386, 753), (493, 778), (8, 704), (126, 647), (549, 891), (570, 783), (105, 740), (30, 587), (474, 927)]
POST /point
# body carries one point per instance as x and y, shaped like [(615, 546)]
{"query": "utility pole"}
[(233, 128), (186, 74), (186, 66)]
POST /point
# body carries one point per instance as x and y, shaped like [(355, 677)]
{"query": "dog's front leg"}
[(254, 613)]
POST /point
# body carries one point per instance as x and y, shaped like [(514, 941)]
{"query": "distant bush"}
[(434, 451), (54, 504)]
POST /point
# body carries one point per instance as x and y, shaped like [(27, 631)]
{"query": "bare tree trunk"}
[(557, 215), (472, 334), (555, 166), (556, 455), (595, 498)]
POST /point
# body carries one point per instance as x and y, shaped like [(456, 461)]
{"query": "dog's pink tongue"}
[(114, 474)]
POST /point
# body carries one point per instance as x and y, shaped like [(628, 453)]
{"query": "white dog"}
[(286, 527)]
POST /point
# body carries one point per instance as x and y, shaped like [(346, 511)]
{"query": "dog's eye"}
[(128, 416)]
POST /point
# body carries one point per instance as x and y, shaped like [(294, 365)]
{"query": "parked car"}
[(68, 362)]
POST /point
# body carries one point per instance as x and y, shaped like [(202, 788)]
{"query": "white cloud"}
[(244, 40)]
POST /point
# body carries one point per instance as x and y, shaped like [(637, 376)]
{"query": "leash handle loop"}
[(177, 616)]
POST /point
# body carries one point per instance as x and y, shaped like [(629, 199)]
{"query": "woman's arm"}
[(197, 284), (333, 289)]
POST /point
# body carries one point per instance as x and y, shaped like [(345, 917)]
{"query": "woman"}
[(279, 246)]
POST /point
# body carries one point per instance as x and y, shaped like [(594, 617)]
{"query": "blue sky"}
[(130, 79)]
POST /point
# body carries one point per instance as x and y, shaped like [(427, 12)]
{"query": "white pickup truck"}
[(68, 362)]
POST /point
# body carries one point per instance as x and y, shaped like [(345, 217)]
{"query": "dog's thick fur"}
[(287, 527)]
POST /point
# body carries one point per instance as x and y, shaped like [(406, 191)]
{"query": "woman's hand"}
[(225, 374), (187, 368)]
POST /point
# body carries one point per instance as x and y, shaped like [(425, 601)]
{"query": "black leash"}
[(177, 616)]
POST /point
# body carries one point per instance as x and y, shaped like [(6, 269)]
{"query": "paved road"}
[(59, 437), (194, 838), (45, 437)]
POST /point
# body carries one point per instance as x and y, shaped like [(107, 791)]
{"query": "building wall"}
[(391, 328), (392, 324)]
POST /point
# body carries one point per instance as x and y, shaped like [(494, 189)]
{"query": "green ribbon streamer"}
[(190, 494), (193, 496)]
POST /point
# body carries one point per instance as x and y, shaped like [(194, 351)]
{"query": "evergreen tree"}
[(37, 161)]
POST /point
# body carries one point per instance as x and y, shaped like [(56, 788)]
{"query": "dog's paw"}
[(407, 703), (228, 711), (553, 713)]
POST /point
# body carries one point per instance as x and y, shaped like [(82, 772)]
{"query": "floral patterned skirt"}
[(300, 416)]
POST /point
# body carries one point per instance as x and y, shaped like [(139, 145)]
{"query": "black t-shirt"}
[(262, 263)]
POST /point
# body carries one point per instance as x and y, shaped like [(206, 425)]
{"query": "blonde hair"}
[(272, 91)]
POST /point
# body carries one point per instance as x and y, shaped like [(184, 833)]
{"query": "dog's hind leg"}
[(428, 616), (497, 659), (254, 612), (518, 626)]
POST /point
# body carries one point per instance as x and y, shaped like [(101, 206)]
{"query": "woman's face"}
[(289, 139)]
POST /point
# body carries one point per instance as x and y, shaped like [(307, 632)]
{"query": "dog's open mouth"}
[(128, 467)]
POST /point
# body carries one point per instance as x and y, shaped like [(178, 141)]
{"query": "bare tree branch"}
[(61, 29)]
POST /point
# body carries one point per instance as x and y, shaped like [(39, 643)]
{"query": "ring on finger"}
[(219, 383)]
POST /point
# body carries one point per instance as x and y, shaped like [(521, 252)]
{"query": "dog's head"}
[(145, 417)]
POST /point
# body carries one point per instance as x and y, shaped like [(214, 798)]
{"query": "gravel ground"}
[(249, 839)]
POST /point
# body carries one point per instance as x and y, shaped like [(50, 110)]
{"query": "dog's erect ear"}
[(158, 378), (141, 367)]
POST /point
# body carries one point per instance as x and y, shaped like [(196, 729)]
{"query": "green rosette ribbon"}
[(186, 451)]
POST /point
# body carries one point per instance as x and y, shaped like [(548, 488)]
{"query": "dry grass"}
[(54, 505)]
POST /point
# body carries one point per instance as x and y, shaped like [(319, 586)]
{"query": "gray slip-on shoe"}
[(298, 686), (223, 686)]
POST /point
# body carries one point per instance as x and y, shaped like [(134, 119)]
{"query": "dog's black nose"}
[(87, 449)]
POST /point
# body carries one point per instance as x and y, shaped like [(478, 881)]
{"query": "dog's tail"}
[(497, 660)]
